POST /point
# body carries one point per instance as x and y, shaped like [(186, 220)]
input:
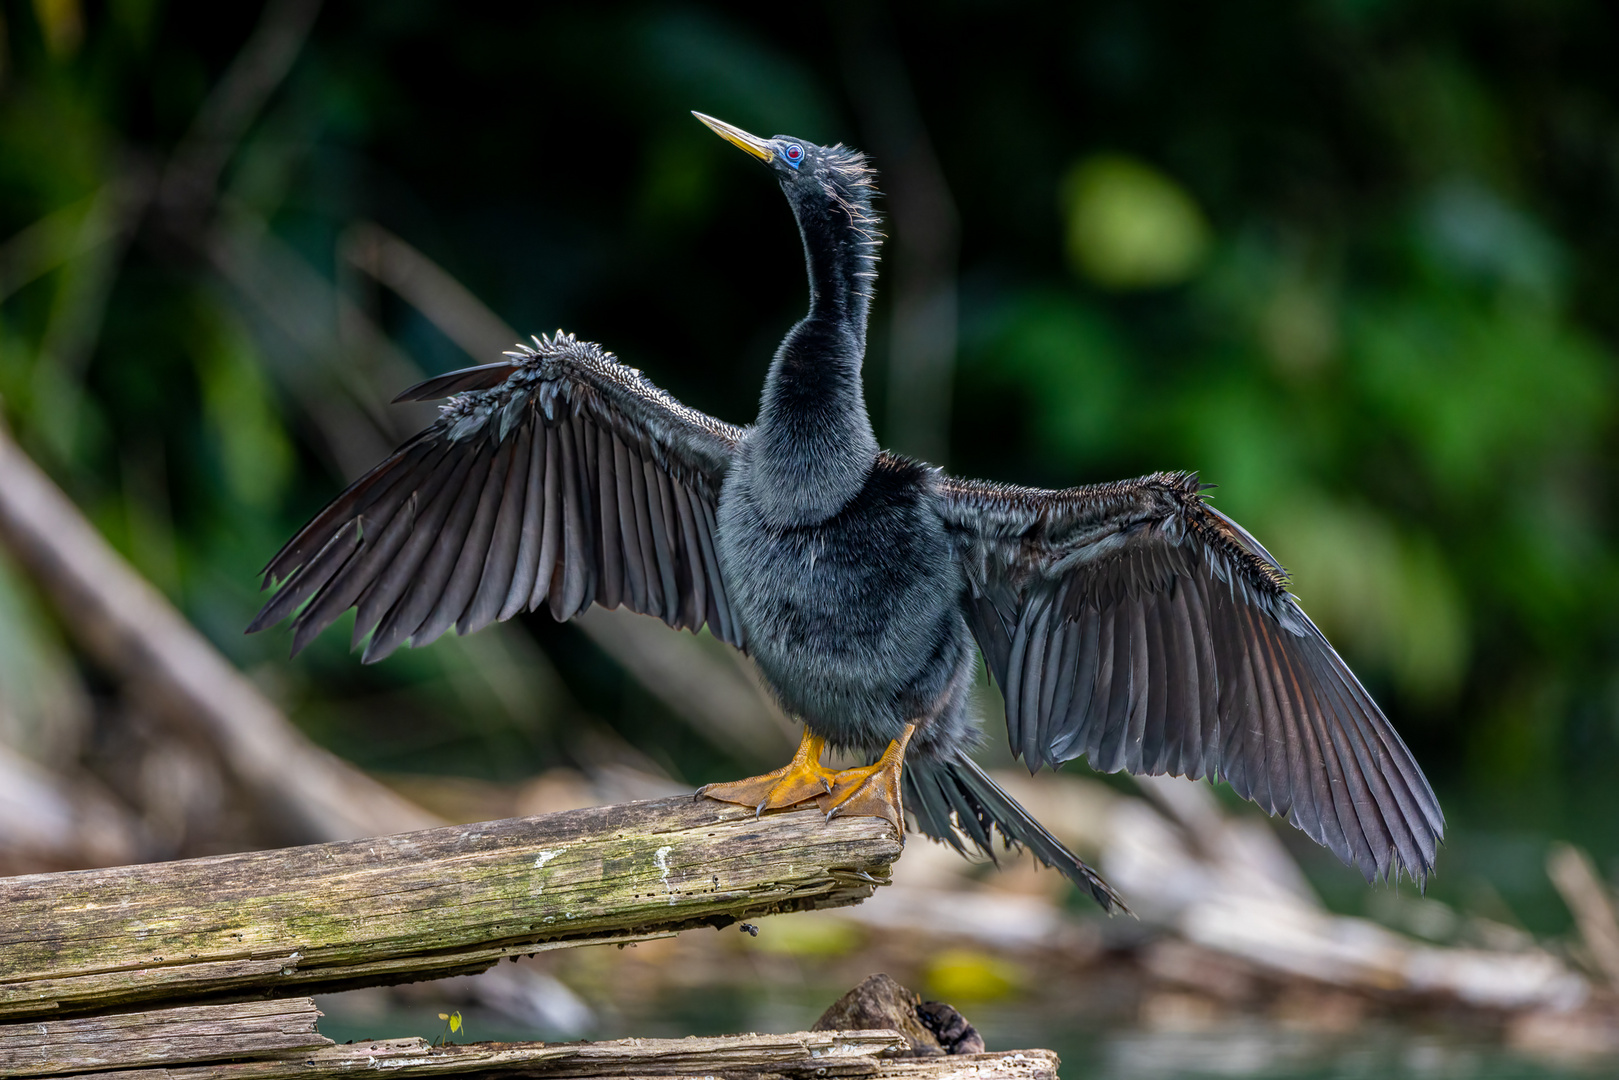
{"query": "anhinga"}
[(1130, 623)]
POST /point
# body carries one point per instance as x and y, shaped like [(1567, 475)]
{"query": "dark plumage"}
[(1129, 623)]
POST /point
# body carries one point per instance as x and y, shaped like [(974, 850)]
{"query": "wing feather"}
[(527, 567), (495, 583), (546, 570), (382, 573), (663, 527), (609, 545), (1135, 625), (428, 580), (469, 562), (652, 594), (629, 535), (692, 585), (1155, 739), (570, 597), (555, 478)]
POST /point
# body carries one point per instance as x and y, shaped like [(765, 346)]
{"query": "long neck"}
[(814, 444)]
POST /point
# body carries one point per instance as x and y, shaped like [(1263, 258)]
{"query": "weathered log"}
[(188, 1036), (175, 1044), (880, 1003), (419, 905)]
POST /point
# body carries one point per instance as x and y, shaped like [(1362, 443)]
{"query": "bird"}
[(1130, 623)]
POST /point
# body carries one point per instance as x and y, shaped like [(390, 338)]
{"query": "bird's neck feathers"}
[(815, 444), (841, 236)]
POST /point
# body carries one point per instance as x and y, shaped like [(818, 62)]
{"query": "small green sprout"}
[(452, 1024)]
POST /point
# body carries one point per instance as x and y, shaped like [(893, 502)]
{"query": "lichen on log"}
[(417, 905)]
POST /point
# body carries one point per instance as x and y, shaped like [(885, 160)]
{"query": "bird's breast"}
[(844, 615)]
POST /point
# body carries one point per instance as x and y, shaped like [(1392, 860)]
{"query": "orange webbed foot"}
[(797, 782), (872, 790)]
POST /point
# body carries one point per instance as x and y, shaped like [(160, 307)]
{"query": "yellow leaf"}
[(63, 24), (969, 975)]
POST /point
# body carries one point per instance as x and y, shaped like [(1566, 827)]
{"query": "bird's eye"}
[(793, 154)]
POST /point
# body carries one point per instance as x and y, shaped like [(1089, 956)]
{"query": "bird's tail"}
[(934, 790)]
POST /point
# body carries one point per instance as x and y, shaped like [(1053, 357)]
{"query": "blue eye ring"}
[(793, 155)]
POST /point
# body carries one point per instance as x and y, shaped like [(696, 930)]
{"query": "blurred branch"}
[(713, 696), (76, 229), (290, 295), (1243, 844), (1226, 884), (49, 822), (425, 285), (1588, 899), (189, 185), (132, 631)]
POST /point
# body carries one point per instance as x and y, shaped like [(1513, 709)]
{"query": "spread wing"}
[(1136, 625), (558, 477)]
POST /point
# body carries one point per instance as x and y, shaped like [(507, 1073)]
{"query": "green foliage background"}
[(1353, 260)]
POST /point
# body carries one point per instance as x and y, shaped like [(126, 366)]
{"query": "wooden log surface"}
[(200, 1033), (419, 905), (175, 1044), (798, 1056)]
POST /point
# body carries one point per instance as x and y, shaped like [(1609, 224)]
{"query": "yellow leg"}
[(872, 790), (800, 781)]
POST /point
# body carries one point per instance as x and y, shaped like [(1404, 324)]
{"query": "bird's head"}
[(830, 189), (794, 161)]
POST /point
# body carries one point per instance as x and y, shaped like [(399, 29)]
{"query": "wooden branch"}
[(271, 1041), (132, 631), (423, 905), (168, 1036)]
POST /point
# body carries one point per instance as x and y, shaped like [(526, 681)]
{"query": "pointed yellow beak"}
[(734, 135)]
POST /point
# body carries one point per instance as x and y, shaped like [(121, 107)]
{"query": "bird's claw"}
[(872, 791), (798, 782)]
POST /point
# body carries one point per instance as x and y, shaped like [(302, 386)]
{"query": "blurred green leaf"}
[(243, 417), (1485, 392), (1130, 226), (1387, 599), (1071, 367)]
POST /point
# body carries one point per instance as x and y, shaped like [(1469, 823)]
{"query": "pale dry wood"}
[(818, 1054), (1587, 897), (420, 905), (191, 1035), (1007, 1065)]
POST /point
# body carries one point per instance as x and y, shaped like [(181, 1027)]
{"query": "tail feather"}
[(936, 791)]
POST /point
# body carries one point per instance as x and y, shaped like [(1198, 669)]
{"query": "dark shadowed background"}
[(1354, 261)]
